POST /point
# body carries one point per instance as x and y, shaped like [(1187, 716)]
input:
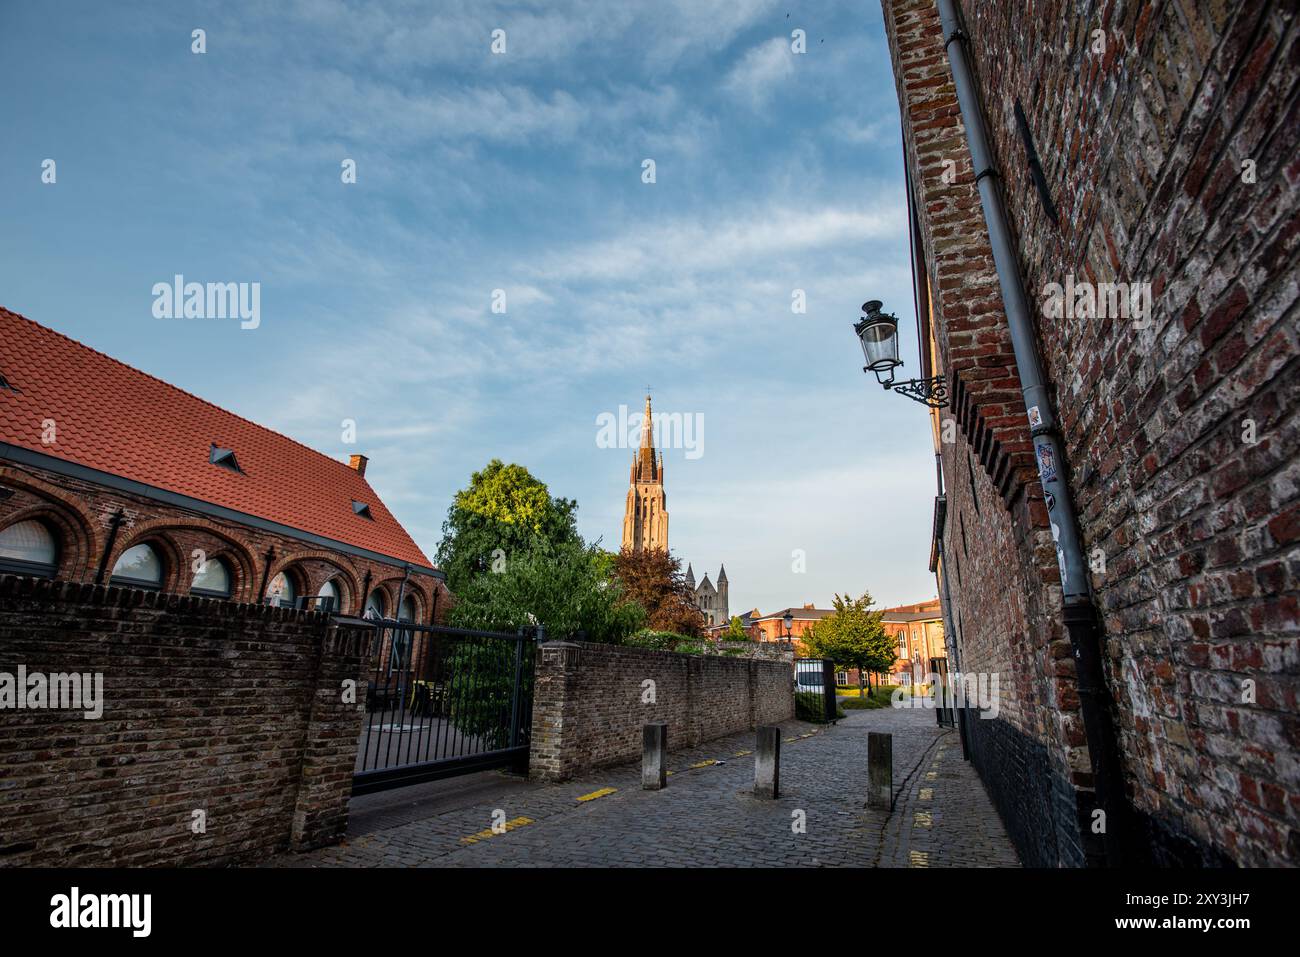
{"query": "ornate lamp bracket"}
[(929, 392)]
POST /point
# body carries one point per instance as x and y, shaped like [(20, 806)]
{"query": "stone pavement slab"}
[(706, 817)]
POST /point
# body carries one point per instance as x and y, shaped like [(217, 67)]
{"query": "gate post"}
[(514, 695)]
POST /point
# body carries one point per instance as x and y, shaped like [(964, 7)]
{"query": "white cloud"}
[(750, 240), (754, 78)]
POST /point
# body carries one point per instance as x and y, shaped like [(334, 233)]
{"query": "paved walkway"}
[(706, 817)]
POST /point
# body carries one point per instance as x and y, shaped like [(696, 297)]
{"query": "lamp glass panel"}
[(880, 345)]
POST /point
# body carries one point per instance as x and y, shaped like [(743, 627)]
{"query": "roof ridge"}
[(197, 398)]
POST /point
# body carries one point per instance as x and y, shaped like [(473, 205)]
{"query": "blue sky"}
[(522, 171)]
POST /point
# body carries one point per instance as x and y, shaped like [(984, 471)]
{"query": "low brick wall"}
[(230, 709), (591, 701)]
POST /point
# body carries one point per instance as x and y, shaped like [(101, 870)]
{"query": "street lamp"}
[(788, 618), (878, 334)]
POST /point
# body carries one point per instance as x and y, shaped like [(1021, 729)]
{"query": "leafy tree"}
[(567, 590), (852, 637), (503, 516), (653, 579), (736, 631)]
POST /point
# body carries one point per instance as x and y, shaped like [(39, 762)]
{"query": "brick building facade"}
[(917, 629), (1165, 134), (111, 476)]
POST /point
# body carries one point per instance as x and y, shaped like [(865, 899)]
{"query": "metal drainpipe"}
[(1079, 614)]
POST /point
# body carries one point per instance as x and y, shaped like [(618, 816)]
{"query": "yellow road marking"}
[(484, 834), (927, 793), (918, 859), (598, 794), (788, 740), (741, 754), (922, 819), (705, 763), (930, 775)]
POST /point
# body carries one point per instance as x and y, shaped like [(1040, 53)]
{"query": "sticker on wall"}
[(1051, 500), (1035, 417), (1046, 463)]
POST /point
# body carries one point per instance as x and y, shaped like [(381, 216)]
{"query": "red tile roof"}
[(116, 419)]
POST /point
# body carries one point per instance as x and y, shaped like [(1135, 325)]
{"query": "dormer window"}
[(224, 457), (362, 509)]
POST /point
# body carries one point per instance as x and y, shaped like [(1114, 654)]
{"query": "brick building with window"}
[(1151, 147), (111, 476), (918, 631)]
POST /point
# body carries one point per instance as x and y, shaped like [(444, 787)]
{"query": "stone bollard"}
[(767, 763), (880, 770), (654, 751)]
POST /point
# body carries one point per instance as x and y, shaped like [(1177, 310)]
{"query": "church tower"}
[(724, 603), (645, 520)]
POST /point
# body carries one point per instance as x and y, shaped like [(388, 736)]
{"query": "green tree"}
[(503, 516), (735, 631), (568, 590), (852, 637)]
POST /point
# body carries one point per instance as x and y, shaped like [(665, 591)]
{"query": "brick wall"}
[(1142, 131), (589, 707), (232, 709)]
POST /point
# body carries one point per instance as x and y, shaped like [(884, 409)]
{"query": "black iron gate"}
[(443, 701)]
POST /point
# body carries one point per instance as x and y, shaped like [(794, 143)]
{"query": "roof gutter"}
[(1079, 614)]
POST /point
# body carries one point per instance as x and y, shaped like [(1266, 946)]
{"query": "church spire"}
[(647, 430), (645, 522)]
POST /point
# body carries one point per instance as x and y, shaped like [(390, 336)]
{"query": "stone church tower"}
[(713, 601), (645, 521)]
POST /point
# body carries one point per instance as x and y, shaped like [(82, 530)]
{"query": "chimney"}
[(808, 605), (358, 462)]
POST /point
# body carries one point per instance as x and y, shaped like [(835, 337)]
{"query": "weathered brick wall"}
[(232, 709), (997, 545), (589, 702), (1168, 142), (81, 513)]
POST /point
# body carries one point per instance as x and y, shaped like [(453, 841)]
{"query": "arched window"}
[(375, 606), (329, 597), (408, 609), (139, 567), (28, 548), (212, 580), (281, 591)]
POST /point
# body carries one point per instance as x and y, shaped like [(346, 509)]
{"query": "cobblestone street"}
[(706, 817)]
